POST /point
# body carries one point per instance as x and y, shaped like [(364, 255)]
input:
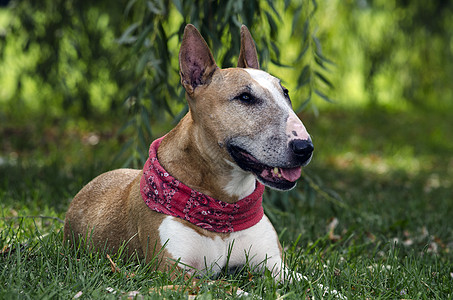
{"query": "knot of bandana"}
[(165, 194)]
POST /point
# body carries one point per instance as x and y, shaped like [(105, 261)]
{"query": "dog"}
[(197, 203)]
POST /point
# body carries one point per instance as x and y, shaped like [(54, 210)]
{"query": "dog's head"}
[(245, 112)]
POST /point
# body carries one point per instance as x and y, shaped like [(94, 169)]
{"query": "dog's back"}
[(103, 202)]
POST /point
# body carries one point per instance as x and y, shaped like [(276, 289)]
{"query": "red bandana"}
[(165, 194)]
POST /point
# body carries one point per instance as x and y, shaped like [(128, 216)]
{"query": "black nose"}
[(302, 149)]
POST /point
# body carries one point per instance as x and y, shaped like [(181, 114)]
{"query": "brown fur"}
[(110, 210)]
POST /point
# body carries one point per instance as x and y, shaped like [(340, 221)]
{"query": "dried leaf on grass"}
[(9, 249), (6, 249), (113, 265), (115, 268), (331, 228)]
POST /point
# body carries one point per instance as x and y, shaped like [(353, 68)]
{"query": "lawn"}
[(374, 221)]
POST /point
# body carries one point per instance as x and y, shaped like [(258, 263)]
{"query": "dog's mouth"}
[(275, 177)]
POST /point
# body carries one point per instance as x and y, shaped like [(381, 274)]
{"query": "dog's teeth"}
[(275, 170), (279, 175)]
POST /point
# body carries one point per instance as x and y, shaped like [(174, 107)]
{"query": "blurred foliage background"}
[(89, 84), (65, 61), (71, 60), (68, 60)]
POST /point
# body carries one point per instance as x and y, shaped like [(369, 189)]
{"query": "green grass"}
[(373, 220)]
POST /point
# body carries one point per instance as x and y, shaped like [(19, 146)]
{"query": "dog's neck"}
[(188, 155)]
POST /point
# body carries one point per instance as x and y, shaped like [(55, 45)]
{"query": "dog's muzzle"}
[(282, 176)]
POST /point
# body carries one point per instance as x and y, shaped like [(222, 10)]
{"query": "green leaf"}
[(126, 37), (287, 3), (323, 96), (141, 38), (302, 53), (272, 24), (318, 51), (304, 104), (156, 8), (304, 77), (276, 50), (315, 8), (323, 79), (318, 48), (271, 4), (141, 64), (278, 63)]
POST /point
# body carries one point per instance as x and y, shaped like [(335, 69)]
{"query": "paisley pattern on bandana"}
[(165, 194)]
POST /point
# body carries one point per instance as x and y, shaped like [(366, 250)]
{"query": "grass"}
[(371, 217)]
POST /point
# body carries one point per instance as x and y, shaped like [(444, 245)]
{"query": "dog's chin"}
[(272, 176)]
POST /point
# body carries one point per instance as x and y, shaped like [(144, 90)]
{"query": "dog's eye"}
[(285, 92), (246, 97)]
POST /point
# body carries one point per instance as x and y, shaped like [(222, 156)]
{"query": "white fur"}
[(242, 183), (258, 244), (272, 85)]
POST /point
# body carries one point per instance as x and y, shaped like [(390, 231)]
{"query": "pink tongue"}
[(291, 174)]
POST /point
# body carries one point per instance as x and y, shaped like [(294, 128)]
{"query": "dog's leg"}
[(260, 244)]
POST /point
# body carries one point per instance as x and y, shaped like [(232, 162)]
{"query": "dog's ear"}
[(196, 63), (247, 56)]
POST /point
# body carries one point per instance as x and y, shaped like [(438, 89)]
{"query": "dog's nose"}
[(302, 149)]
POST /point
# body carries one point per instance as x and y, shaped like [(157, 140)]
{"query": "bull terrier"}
[(197, 203)]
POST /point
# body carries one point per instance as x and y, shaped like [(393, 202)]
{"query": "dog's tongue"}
[(291, 174)]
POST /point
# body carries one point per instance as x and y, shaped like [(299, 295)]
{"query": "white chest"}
[(257, 245)]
